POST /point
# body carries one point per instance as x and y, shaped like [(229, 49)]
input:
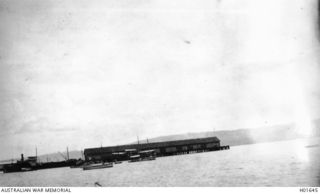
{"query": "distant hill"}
[(74, 154), (245, 136)]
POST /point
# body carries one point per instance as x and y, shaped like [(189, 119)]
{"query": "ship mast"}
[(82, 155), (36, 154), (138, 143), (68, 153)]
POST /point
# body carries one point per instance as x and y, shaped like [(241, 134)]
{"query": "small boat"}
[(117, 162), (75, 166), (149, 158), (97, 166), (26, 169), (147, 155), (135, 158), (138, 158)]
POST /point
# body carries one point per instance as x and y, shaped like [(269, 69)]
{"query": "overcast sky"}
[(82, 73)]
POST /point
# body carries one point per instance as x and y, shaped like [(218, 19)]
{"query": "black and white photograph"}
[(159, 93)]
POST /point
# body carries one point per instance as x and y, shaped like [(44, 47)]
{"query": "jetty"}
[(160, 149), (116, 154)]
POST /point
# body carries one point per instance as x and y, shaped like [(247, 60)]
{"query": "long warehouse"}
[(165, 148)]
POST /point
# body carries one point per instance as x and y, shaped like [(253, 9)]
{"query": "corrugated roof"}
[(154, 145)]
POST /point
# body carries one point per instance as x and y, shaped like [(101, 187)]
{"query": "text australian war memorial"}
[(165, 148)]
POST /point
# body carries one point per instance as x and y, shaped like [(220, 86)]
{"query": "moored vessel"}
[(97, 166)]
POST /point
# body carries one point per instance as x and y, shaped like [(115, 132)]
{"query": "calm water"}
[(287, 163)]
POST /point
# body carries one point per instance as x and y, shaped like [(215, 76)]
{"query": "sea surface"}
[(285, 163)]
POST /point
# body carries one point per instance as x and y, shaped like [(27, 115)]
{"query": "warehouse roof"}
[(154, 145)]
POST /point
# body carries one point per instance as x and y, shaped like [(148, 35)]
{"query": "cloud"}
[(107, 71)]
